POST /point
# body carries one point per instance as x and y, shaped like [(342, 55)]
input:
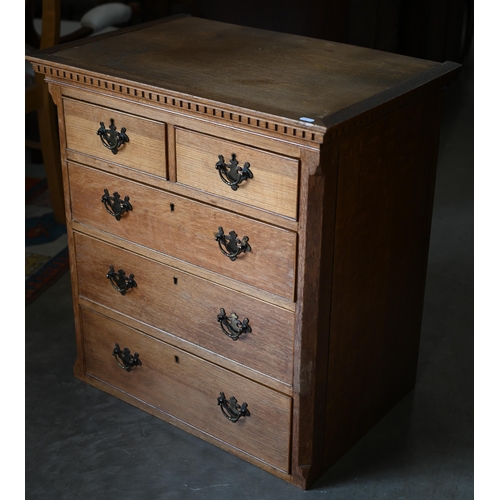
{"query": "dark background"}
[(439, 30)]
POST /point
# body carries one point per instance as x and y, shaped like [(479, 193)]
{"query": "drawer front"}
[(186, 230), (273, 185), (188, 306), (187, 388), (146, 146)]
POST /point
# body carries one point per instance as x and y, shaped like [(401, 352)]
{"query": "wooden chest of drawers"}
[(249, 216)]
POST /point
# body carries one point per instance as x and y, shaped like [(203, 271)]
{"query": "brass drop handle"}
[(232, 326), (231, 409), (231, 174), (231, 246), (110, 138), (119, 281), (124, 359), (114, 205)]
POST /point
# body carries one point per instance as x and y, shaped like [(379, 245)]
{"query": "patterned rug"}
[(46, 241)]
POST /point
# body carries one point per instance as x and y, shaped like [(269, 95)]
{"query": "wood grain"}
[(187, 118), (185, 345), (384, 208), (273, 187), (176, 302), (184, 426), (231, 284), (275, 73), (187, 231), (78, 369), (182, 190), (145, 151), (316, 232), (187, 388)]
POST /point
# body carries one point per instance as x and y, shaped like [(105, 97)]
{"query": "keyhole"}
[(172, 207), (176, 359), (175, 280)]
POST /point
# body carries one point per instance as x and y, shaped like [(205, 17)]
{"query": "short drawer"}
[(188, 307), (186, 230), (188, 388), (273, 185), (146, 146)]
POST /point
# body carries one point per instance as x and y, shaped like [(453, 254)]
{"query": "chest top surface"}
[(283, 75)]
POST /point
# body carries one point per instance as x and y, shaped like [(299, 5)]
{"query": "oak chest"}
[(248, 220)]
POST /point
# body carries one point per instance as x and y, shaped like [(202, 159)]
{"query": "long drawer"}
[(144, 149), (189, 389), (187, 306), (186, 230)]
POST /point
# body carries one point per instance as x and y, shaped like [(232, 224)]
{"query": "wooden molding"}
[(177, 101)]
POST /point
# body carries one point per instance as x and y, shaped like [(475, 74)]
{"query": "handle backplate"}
[(231, 246), (114, 205), (231, 409), (110, 138), (232, 174), (119, 280), (124, 359), (232, 326)]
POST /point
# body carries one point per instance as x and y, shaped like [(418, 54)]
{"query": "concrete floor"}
[(84, 444)]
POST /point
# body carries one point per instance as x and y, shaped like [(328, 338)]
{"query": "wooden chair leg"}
[(49, 139)]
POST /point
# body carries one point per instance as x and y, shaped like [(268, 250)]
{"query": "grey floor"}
[(84, 444)]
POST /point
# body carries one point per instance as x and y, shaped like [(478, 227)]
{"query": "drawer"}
[(188, 307), (186, 229), (188, 388), (146, 146), (272, 187)]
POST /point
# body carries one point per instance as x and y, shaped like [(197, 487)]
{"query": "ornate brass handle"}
[(232, 245), (127, 360), (110, 138), (114, 205), (231, 174), (232, 326), (231, 409), (119, 281)]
